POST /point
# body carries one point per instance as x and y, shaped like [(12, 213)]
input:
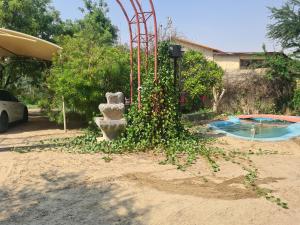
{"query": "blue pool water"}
[(258, 129)]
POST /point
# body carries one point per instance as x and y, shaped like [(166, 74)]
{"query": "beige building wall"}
[(233, 62), (228, 63)]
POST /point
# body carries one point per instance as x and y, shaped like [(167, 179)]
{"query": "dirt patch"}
[(228, 189)]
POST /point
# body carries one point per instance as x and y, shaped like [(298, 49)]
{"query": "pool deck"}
[(292, 119)]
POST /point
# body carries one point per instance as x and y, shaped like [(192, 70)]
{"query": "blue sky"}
[(229, 25)]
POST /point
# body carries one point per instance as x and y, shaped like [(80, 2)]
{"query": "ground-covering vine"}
[(244, 160)]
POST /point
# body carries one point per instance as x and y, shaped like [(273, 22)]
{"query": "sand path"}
[(59, 188), (37, 129)]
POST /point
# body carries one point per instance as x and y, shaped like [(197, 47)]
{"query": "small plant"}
[(107, 159), (251, 177)]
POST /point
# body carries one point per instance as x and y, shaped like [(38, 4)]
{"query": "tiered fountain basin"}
[(113, 123)]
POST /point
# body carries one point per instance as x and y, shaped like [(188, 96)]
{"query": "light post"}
[(176, 53)]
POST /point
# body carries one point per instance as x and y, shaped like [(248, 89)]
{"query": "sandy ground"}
[(31, 133), (53, 188)]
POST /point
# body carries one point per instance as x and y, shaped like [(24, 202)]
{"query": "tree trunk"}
[(215, 107), (217, 98)]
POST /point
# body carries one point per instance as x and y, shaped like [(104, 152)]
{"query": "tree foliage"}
[(33, 17), (200, 75), (84, 72), (286, 30), (40, 19), (286, 26), (283, 67), (95, 24), (89, 64), (18, 74)]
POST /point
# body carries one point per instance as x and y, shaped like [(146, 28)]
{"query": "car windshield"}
[(6, 96)]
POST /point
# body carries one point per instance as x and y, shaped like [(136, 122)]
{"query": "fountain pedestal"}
[(113, 122)]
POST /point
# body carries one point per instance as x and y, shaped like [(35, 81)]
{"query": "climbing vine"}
[(158, 121)]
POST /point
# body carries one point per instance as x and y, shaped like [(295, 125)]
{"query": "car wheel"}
[(25, 115), (3, 122)]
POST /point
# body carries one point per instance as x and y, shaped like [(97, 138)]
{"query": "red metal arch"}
[(146, 32), (139, 18)]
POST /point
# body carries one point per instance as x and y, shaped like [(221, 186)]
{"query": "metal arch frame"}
[(155, 41), (141, 17), (142, 13), (131, 48), (139, 59)]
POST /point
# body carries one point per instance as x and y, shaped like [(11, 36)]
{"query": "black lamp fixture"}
[(175, 51)]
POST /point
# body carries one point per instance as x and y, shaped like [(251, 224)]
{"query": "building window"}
[(252, 63)]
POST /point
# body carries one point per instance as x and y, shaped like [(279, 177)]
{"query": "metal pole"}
[(155, 41), (64, 114), (139, 52), (175, 74), (146, 33)]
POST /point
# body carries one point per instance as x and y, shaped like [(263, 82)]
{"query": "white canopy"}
[(20, 44)]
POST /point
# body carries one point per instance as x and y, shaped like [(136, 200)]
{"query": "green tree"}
[(38, 18), (84, 72), (96, 25), (285, 28), (202, 77), (33, 17), (284, 69), (89, 65), (18, 73), (280, 66)]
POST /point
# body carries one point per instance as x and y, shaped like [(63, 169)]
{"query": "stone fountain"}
[(113, 122)]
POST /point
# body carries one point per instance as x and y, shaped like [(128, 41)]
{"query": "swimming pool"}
[(260, 129)]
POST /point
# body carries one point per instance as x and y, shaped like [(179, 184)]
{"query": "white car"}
[(11, 110)]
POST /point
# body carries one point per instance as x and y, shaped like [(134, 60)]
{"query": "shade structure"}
[(13, 43)]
